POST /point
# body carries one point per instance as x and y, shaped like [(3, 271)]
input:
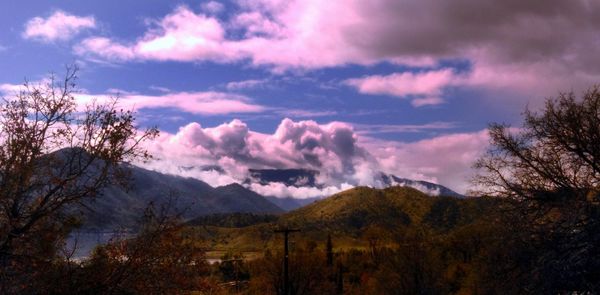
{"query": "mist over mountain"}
[(121, 207), (305, 178), (423, 186), (293, 188)]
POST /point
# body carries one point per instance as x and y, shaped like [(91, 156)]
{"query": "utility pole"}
[(286, 278)]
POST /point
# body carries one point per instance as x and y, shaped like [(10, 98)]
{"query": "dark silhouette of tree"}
[(160, 259), (550, 170), (54, 154)]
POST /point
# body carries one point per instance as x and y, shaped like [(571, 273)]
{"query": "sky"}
[(346, 87)]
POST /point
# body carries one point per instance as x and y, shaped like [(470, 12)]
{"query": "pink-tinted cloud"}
[(58, 26), (198, 102), (343, 157), (105, 48), (180, 36), (296, 113), (331, 149), (369, 129), (246, 84), (425, 86), (445, 159), (514, 46), (185, 36), (426, 101), (290, 37), (213, 7), (8, 89), (206, 103)]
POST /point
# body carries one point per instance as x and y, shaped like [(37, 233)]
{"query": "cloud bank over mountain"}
[(342, 158), (401, 87)]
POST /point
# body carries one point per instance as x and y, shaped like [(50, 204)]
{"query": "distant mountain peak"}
[(232, 186), (308, 178), (204, 168), (288, 177), (429, 188)]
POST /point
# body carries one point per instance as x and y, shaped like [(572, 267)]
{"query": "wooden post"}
[(286, 281)]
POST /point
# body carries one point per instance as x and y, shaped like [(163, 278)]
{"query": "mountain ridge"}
[(119, 207)]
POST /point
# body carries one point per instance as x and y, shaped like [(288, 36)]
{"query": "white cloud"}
[(246, 84), (445, 159), (512, 46), (213, 7), (195, 102), (58, 26), (105, 48), (425, 88), (342, 157), (206, 103)]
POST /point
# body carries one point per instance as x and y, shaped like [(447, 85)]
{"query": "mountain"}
[(308, 178), (119, 207), (389, 208), (290, 203), (232, 220), (351, 214), (237, 198), (289, 177), (423, 186)]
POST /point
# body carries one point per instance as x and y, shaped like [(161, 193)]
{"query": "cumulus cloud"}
[(277, 34), (345, 154), (58, 26), (343, 158), (182, 36)]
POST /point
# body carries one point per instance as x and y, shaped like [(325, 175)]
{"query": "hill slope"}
[(388, 208), (350, 214)]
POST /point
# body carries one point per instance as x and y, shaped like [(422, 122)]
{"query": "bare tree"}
[(550, 171), (55, 154)]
